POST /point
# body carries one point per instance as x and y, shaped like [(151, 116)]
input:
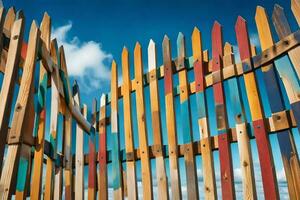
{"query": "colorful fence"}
[(228, 102)]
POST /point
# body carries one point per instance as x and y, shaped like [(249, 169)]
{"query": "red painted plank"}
[(227, 186)]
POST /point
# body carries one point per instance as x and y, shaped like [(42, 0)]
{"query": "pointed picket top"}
[(151, 55), (295, 6), (137, 53), (124, 57), (241, 31), (166, 50), (217, 43), (103, 100), (196, 44), (113, 64), (46, 29), (263, 28), (180, 46), (280, 22), (228, 49), (20, 14), (138, 66), (9, 19)]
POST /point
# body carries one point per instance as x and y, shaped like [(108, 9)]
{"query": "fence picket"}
[(161, 177), (142, 126), (79, 155), (129, 143), (9, 79), (191, 174), (102, 157)]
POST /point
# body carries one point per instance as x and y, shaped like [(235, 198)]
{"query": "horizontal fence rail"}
[(177, 131)]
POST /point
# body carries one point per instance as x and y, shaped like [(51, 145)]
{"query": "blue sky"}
[(94, 32)]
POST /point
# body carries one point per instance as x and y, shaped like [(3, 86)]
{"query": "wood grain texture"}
[(92, 175), (129, 143), (142, 126), (221, 118), (50, 169), (210, 191), (19, 126), (79, 155), (191, 173), (170, 120), (116, 163), (67, 129), (40, 123), (161, 176), (8, 82), (102, 156)]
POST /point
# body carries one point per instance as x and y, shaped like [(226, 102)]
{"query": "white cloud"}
[(86, 60)]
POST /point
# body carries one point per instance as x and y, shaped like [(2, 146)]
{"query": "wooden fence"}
[(251, 99)]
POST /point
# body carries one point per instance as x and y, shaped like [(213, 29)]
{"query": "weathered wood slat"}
[(67, 129), (170, 120), (116, 162), (50, 169), (40, 120), (191, 173), (206, 147), (162, 182), (79, 155), (142, 126), (92, 176), (8, 84), (227, 182), (102, 156), (129, 143), (19, 125)]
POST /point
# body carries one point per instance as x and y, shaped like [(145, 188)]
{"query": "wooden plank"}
[(295, 6), (222, 124), (40, 120), (8, 84), (50, 168), (161, 177), (67, 130), (210, 190), (7, 26), (264, 152), (187, 135), (24, 168), (244, 147), (19, 126), (79, 163), (129, 145), (170, 120), (102, 157), (2, 18), (116, 163), (283, 29), (92, 176), (286, 141), (142, 126), (58, 183)]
